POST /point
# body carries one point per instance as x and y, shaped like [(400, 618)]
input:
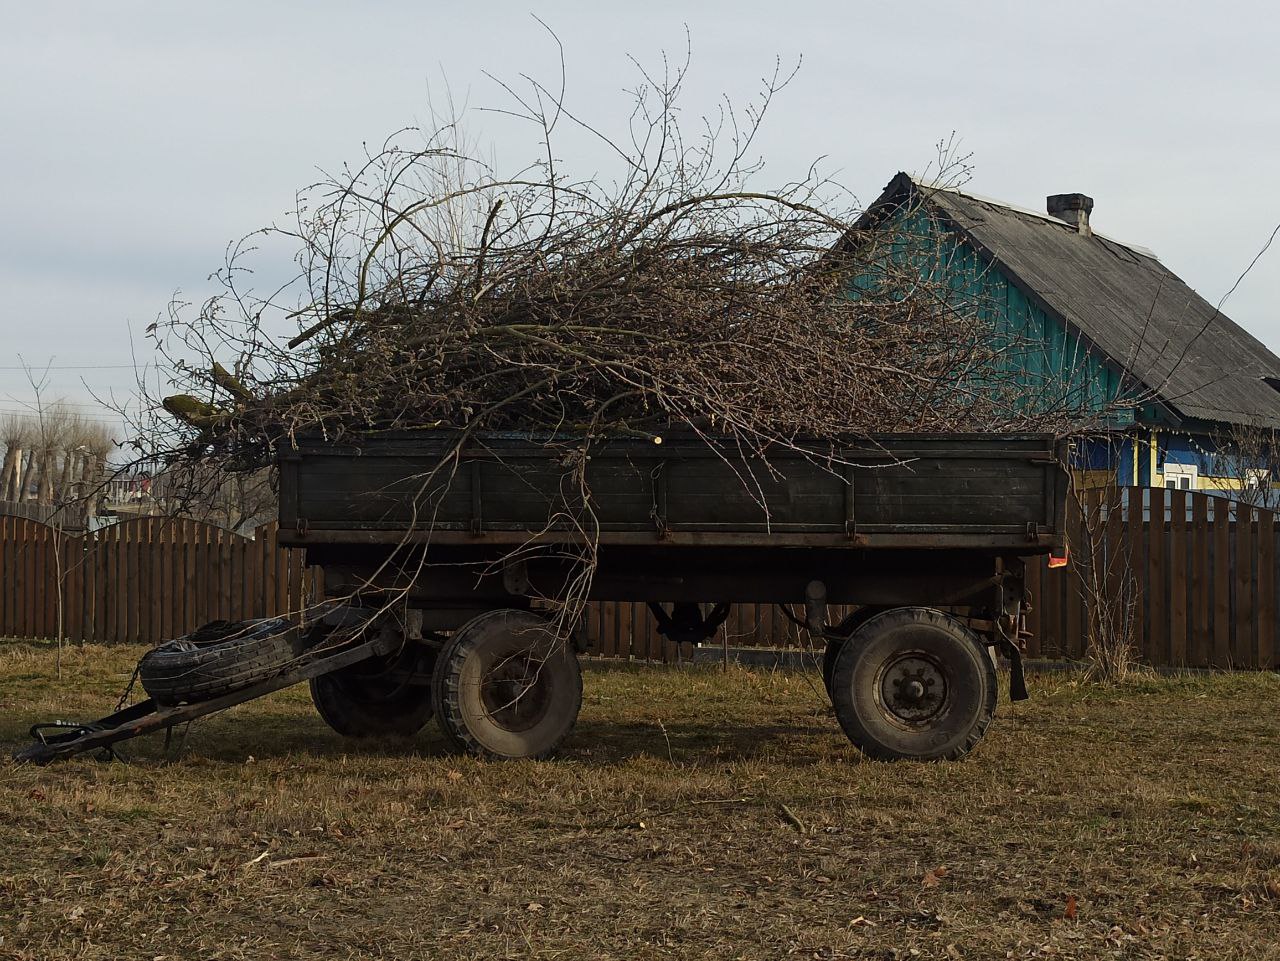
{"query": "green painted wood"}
[(1054, 365)]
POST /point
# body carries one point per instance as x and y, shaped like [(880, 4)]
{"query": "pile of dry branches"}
[(436, 293)]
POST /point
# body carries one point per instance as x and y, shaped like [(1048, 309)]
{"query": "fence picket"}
[(1157, 606), (70, 604), (170, 572), (101, 578), (1243, 654), (1200, 642), (1121, 581), (1137, 558), (1221, 656), (609, 629), (12, 533), (156, 558), (235, 574), (8, 541), (135, 588), (1177, 646), (649, 642), (1266, 612), (37, 589)]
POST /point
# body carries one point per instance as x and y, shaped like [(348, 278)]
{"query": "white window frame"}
[(1182, 477)]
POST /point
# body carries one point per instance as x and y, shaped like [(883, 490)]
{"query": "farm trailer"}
[(902, 527), (438, 553)]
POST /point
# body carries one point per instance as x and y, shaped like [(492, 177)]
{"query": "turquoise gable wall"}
[(1057, 366)]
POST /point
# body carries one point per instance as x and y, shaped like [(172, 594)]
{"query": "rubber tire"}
[(348, 699), (848, 624), (216, 667), (459, 706), (966, 667)]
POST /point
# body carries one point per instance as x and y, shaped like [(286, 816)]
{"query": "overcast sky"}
[(138, 139)]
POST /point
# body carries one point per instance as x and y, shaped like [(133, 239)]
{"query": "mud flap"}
[(1017, 679)]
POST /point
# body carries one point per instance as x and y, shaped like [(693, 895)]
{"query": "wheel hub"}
[(913, 688), (515, 692)]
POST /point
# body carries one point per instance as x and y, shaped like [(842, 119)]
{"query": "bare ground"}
[(695, 814)]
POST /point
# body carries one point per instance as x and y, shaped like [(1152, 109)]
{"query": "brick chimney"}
[(1072, 208)]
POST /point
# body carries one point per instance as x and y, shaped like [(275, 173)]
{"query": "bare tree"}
[(95, 446), (238, 501), (1102, 570), (54, 427), (15, 434), (60, 454)]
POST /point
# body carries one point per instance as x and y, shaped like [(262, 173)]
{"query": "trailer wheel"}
[(382, 696), (506, 687), (914, 683)]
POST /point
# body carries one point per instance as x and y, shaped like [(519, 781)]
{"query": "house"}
[(1190, 398)]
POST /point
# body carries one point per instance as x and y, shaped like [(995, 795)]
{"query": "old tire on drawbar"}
[(221, 657), (506, 687), (914, 683), (377, 697)]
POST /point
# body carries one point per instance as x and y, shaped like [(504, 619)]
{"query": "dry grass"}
[(694, 815)]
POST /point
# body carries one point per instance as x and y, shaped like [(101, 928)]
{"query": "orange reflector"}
[(1063, 561)]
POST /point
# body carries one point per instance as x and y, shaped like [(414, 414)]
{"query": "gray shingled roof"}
[(1130, 306)]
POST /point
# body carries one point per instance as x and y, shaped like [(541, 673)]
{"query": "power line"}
[(37, 368), (34, 412), (54, 402)]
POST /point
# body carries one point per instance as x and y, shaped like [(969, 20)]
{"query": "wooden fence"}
[(142, 580), (73, 516), (1196, 586), (1195, 575)]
